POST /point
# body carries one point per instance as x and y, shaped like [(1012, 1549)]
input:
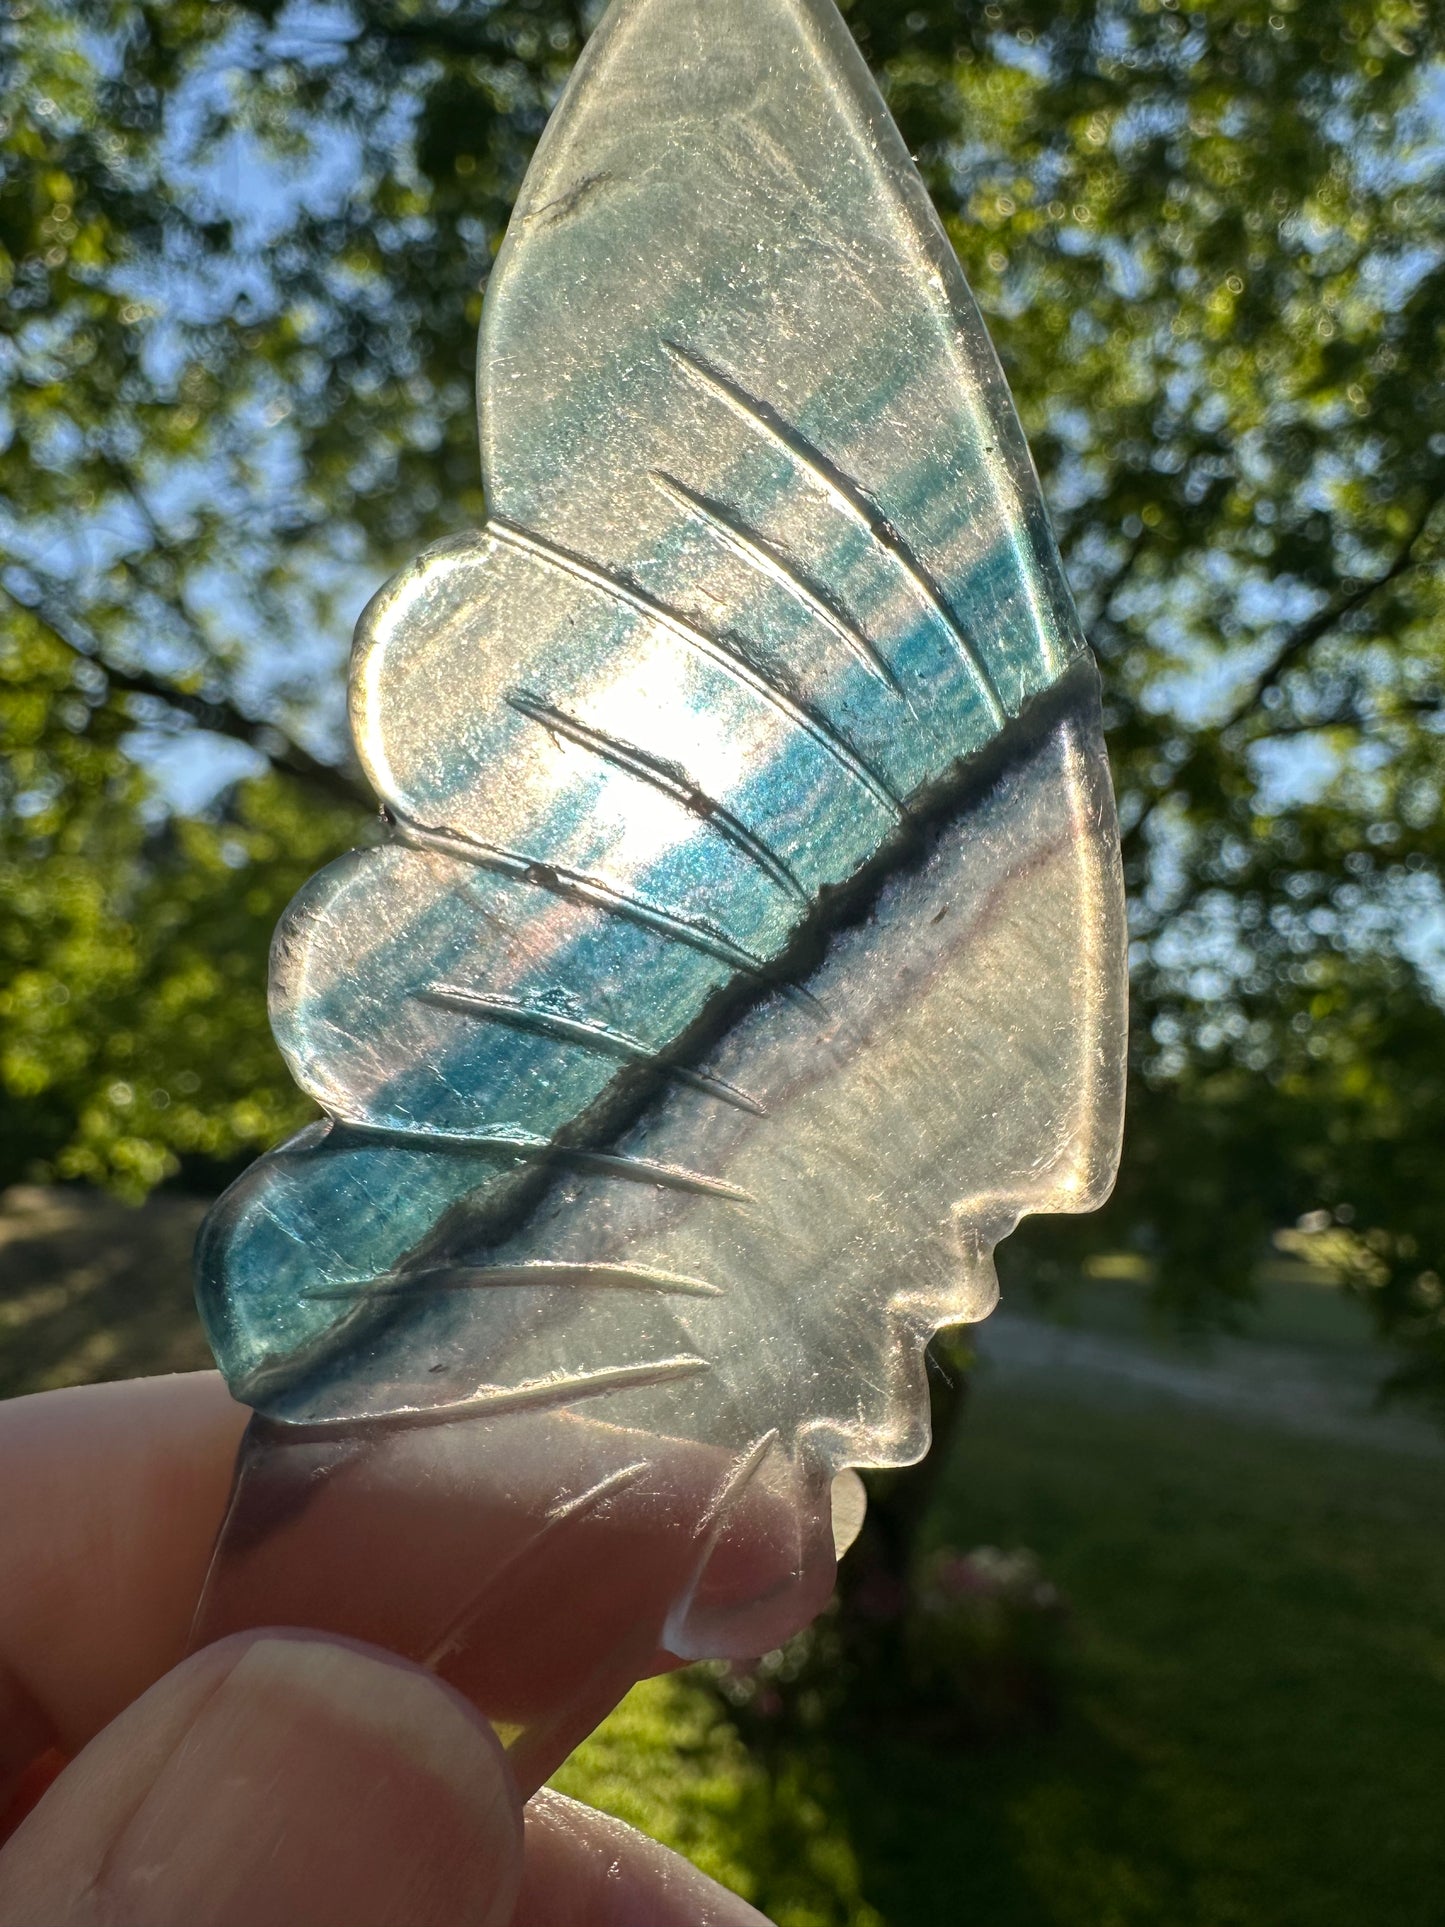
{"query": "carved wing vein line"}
[(710, 646), (754, 549), (528, 1148), (576, 886), (846, 495), (453, 1641), (585, 1032), (534, 1273), (667, 777), (535, 1394)]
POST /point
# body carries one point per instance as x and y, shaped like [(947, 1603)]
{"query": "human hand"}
[(275, 1779)]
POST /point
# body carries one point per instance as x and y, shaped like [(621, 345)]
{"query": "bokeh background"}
[(1158, 1635)]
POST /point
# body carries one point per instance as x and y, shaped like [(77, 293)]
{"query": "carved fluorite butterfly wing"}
[(746, 953)]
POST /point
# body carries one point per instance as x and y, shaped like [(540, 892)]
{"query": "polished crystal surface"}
[(746, 953)]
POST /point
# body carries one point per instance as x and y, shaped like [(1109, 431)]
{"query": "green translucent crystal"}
[(747, 951)]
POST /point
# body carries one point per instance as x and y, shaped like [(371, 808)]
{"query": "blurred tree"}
[(133, 945), (241, 246)]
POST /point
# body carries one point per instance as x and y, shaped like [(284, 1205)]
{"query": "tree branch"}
[(1295, 646), (1352, 719), (1300, 641), (431, 32), (438, 33), (160, 544), (217, 714)]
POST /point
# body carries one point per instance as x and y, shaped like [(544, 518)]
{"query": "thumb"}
[(276, 1780)]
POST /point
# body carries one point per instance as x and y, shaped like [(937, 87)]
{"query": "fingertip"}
[(585, 1869), (283, 1778), (107, 1518)]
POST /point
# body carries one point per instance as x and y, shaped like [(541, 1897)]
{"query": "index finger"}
[(108, 1510)]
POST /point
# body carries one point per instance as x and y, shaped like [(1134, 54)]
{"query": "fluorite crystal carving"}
[(745, 954)]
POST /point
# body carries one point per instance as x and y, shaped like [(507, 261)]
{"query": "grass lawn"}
[(1255, 1731)]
